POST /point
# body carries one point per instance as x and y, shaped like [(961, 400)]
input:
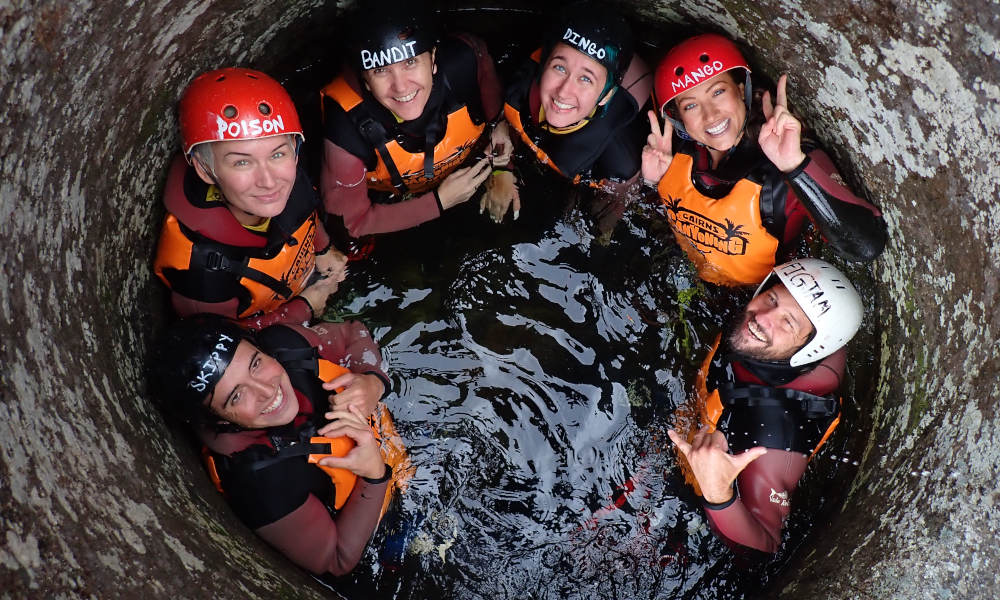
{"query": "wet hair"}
[(203, 152)]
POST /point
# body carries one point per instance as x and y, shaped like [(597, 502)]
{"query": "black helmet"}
[(391, 31), (191, 359), (599, 32)]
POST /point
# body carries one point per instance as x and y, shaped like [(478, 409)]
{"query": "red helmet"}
[(235, 104), (693, 61)]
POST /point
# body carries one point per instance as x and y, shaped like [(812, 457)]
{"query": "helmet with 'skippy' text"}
[(693, 61), (391, 31), (190, 361), (829, 300), (235, 104)]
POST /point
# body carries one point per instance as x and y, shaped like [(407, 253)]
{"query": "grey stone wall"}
[(97, 499)]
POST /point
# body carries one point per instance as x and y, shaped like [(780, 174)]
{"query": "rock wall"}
[(97, 497)]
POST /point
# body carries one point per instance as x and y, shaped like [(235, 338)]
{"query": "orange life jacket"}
[(207, 237), (725, 238), (396, 169)]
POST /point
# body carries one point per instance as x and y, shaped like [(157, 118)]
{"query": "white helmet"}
[(828, 299)]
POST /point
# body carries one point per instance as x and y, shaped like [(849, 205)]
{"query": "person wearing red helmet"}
[(242, 237), (574, 105), (310, 471), (740, 186), (403, 121), (766, 394)]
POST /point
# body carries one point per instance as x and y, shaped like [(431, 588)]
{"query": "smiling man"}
[(404, 119), (766, 400), (242, 237)]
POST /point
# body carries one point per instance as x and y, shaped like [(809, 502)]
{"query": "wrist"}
[(798, 168), (721, 500), (386, 474)]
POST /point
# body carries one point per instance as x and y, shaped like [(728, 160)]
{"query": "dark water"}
[(537, 366)]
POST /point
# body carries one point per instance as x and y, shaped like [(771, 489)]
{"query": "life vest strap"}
[(295, 450), (375, 133), (213, 260), (811, 406)]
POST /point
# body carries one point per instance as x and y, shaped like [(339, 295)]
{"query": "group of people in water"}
[(291, 417)]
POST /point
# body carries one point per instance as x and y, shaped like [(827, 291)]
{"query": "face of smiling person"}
[(772, 327), (403, 87), (570, 86), (255, 176), (255, 391), (713, 112)]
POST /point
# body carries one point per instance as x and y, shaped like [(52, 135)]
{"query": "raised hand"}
[(781, 136), (658, 151), (712, 465)]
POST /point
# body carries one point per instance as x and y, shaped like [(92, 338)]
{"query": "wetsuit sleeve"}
[(322, 241), (349, 344), (294, 312), (345, 193), (638, 80), (756, 517), (853, 227), (490, 90), (315, 541)]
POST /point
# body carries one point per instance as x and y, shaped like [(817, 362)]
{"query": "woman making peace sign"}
[(741, 184)]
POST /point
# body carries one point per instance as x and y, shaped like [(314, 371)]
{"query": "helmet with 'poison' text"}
[(235, 104)]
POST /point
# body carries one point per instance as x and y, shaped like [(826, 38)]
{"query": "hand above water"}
[(500, 196), (462, 183), (360, 390), (658, 151), (781, 135), (712, 465), (365, 459), (332, 264)]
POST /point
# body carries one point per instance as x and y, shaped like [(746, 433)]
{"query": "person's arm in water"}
[(754, 515), (345, 193), (852, 226), (308, 535)]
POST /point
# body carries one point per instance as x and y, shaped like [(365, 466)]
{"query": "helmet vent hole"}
[(230, 111), (679, 71), (703, 58), (264, 108), (221, 78), (252, 76)]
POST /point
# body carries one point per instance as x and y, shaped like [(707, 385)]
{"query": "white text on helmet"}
[(210, 366), (249, 128), (381, 58), (807, 285), (584, 44), (695, 77)]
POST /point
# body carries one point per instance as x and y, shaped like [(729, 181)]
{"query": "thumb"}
[(679, 441), (742, 460), (339, 383)]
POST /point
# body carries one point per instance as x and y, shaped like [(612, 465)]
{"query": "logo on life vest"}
[(584, 44), (210, 367), (779, 498), (799, 278), (693, 78), (387, 56), (247, 128), (707, 233)]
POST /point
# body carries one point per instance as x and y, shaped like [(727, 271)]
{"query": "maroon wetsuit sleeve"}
[(314, 541), (852, 226), (345, 193), (294, 312), (349, 344), (490, 90), (756, 517), (322, 241)]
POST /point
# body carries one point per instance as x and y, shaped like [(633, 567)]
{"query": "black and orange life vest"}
[(784, 417), (725, 238), (576, 154), (286, 458), (205, 254), (396, 161)]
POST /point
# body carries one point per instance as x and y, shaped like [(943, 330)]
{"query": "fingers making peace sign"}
[(658, 151), (781, 136)]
